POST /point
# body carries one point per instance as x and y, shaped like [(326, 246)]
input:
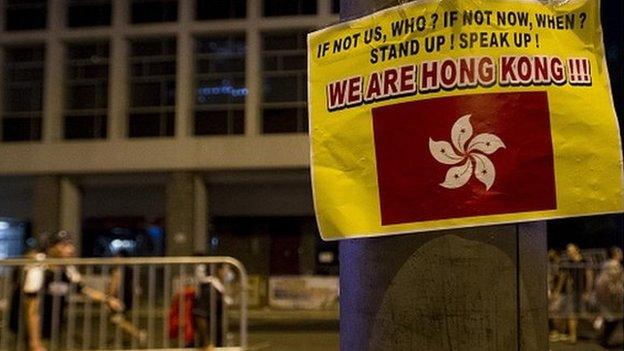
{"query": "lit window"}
[(284, 107), (289, 7), (25, 14), (152, 88), (23, 93), (222, 9), (86, 98), (88, 13), (220, 89), (147, 11)]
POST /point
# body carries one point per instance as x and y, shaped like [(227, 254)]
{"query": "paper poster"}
[(448, 114)]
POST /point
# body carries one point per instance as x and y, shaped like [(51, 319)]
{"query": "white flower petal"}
[(486, 143), (458, 176), (461, 132), (484, 170), (443, 152)]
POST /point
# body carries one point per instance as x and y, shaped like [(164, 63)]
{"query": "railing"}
[(80, 322), (570, 302)]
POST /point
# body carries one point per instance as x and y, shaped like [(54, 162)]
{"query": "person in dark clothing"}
[(202, 306), (576, 281), (46, 288), (610, 295)]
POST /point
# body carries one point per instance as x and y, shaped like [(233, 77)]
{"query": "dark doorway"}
[(285, 240)]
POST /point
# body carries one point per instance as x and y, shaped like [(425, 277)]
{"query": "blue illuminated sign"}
[(226, 88)]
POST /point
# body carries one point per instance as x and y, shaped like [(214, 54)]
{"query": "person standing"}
[(45, 284), (577, 282), (202, 307), (554, 299), (610, 294)]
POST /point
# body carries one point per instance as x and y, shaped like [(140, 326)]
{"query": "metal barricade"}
[(163, 290), (570, 301)]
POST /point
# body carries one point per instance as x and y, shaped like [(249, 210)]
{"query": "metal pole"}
[(472, 289)]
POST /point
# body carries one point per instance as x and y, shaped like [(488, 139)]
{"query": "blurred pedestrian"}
[(181, 320), (32, 252), (615, 256), (53, 283), (576, 282), (121, 284), (202, 309), (554, 299), (610, 294)]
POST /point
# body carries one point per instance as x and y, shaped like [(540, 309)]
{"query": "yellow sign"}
[(446, 114)]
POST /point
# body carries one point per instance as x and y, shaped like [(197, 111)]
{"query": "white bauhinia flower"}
[(473, 158)]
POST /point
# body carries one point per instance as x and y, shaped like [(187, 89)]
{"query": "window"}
[(152, 88), (220, 89), (25, 14), (146, 11), (284, 83), (222, 9), (336, 6), (88, 13), (86, 98), (289, 7), (23, 93)]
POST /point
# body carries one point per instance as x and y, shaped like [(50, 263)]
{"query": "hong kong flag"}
[(464, 156)]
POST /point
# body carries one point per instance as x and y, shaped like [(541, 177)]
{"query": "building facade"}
[(162, 126)]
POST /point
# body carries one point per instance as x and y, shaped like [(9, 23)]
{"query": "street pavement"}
[(285, 330), (319, 331), (294, 340), (328, 340), (580, 346)]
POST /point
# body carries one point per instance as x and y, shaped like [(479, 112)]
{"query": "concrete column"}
[(118, 91), (471, 289), (186, 222), (54, 70), (46, 203), (185, 80), (200, 217), (324, 7), (57, 206), (70, 212), (253, 76), (2, 89)]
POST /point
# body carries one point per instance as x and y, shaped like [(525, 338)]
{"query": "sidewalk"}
[(289, 319), (288, 330)]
